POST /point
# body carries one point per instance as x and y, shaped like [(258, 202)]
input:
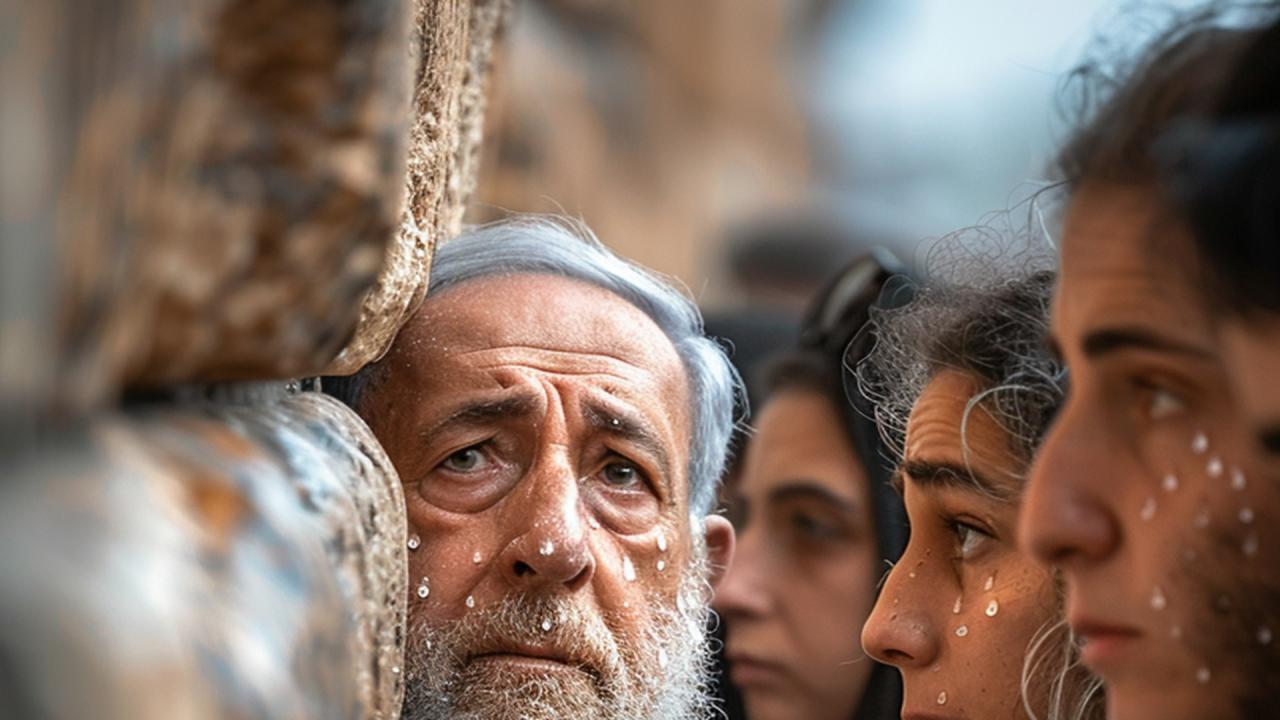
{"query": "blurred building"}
[(659, 122), (673, 126)]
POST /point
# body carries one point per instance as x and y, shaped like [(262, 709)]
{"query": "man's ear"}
[(720, 538)]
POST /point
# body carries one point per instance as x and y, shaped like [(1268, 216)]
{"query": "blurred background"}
[(750, 147)]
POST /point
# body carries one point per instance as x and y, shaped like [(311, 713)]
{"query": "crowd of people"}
[(1041, 484)]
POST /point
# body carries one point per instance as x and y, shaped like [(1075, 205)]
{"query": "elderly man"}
[(559, 423)]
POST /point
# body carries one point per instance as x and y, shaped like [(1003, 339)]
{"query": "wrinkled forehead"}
[(541, 313)]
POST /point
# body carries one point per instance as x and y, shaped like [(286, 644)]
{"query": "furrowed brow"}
[(483, 411), (629, 427)]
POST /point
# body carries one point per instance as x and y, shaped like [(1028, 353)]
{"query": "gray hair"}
[(550, 245), (992, 329)]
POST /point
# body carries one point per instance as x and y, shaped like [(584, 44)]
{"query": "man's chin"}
[(498, 687)]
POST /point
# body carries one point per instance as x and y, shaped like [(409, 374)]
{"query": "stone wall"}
[(201, 202)]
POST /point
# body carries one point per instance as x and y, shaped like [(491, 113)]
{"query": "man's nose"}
[(1066, 518), (548, 543)]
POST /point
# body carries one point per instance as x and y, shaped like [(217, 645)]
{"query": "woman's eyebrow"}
[(810, 490), (944, 474)]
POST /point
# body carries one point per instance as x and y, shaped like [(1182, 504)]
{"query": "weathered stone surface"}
[(206, 188), (454, 46), (229, 562)]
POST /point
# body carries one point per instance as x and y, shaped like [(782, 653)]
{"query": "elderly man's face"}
[(1148, 493), (541, 428)]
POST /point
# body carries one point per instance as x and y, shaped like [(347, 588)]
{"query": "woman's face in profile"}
[(802, 580), (961, 607)]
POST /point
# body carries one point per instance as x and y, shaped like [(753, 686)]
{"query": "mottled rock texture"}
[(199, 193), (232, 561), (454, 44)]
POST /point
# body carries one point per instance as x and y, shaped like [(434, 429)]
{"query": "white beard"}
[(662, 675)]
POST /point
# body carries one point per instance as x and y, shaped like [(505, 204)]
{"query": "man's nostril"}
[(523, 568)]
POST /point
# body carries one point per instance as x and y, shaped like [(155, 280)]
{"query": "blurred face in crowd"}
[(960, 608), (803, 577), (1149, 493), (544, 447)]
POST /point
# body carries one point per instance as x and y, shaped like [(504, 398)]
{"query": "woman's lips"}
[(1104, 644), (749, 671)]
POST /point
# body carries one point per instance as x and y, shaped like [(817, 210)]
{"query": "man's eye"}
[(621, 474), (466, 460)]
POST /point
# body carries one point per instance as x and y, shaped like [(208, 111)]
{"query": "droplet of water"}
[(1214, 467), (962, 631), (1246, 515), (662, 542), (993, 607), (546, 548), (423, 589), (1175, 632), (955, 609), (1237, 479), (395, 670), (942, 698), (1170, 482), (476, 558), (1202, 518), (1264, 635), (547, 625), (471, 601), (1158, 600), (428, 644), (1199, 443), (937, 667), (912, 574), (1148, 510), (1250, 546), (662, 565), (414, 542), (1203, 675), (662, 657), (628, 569), (594, 523), (991, 581)]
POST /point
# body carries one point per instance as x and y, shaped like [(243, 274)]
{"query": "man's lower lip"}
[(525, 662)]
